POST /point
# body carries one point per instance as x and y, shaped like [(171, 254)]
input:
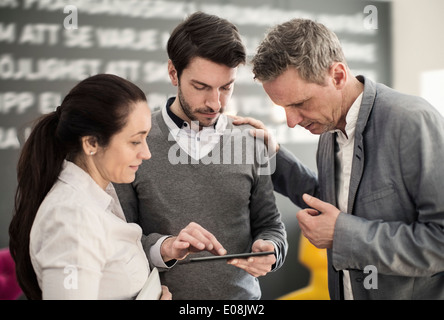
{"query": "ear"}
[(172, 72), (89, 145), (339, 74)]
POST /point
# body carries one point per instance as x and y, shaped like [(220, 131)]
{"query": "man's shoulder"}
[(157, 114), (156, 120), (157, 134), (400, 101)]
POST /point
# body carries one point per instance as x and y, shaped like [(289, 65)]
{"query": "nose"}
[(293, 117), (145, 153), (214, 100)]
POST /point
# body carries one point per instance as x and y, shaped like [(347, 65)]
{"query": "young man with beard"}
[(213, 192)]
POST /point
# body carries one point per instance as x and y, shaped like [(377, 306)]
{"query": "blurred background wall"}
[(42, 58), (418, 52)]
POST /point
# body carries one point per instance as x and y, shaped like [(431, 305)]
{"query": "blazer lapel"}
[(326, 167), (327, 187), (368, 100)]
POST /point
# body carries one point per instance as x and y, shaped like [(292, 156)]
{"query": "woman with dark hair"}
[(69, 236)]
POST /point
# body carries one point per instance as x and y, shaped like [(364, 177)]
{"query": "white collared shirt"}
[(196, 143), (344, 159), (81, 246)]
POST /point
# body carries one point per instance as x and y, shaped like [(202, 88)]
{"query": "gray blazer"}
[(395, 222)]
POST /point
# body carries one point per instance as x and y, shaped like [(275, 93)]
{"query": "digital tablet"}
[(230, 256)]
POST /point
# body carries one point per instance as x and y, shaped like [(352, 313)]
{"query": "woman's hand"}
[(193, 238), (166, 294)]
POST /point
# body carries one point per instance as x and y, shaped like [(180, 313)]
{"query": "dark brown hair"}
[(205, 36), (97, 106)]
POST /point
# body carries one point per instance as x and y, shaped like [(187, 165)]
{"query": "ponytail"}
[(97, 106), (38, 167)]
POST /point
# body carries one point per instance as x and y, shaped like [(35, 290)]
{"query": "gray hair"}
[(304, 44)]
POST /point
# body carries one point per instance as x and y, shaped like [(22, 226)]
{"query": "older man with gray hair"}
[(377, 203)]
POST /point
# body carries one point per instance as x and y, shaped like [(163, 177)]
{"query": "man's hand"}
[(260, 132), (193, 238), (318, 224), (257, 266)]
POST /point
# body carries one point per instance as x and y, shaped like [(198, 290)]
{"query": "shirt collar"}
[(352, 115), (351, 118), (76, 177), (178, 121)]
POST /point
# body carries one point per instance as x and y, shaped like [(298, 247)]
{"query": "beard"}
[(193, 114)]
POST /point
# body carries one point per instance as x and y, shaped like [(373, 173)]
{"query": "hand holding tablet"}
[(263, 249)]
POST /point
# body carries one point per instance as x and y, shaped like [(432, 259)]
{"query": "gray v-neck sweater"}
[(233, 200)]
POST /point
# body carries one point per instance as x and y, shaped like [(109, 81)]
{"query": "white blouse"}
[(81, 246)]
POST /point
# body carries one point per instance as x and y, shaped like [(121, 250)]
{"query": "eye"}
[(298, 105), (199, 88), (136, 143), (226, 88)]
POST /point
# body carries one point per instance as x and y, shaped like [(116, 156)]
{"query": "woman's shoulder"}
[(64, 204)]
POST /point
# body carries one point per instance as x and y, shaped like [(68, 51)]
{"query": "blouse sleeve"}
[(69, 249)]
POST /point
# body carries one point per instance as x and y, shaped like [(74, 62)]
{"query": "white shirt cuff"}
[(155, 256)]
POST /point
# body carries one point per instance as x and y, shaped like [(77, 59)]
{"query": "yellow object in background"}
[(316, 261)]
